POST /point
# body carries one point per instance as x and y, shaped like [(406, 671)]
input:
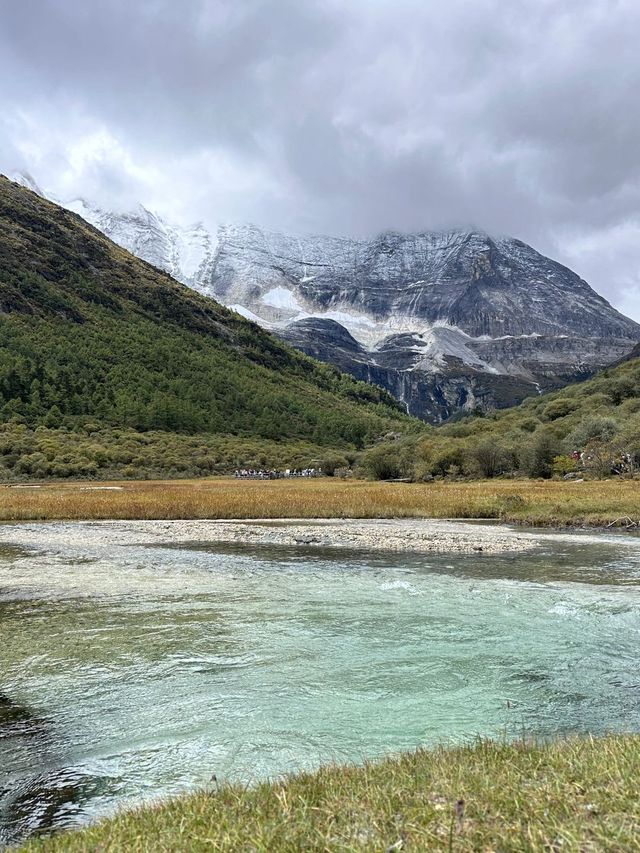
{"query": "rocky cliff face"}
[(447, 321)]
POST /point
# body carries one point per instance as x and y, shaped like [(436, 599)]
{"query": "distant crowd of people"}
[(274, 474), (618, 461)]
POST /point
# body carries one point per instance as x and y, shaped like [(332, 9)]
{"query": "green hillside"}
[(598, 419), (104, 359)]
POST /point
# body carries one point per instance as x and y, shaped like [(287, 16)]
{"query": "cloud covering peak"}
[(346, 118)]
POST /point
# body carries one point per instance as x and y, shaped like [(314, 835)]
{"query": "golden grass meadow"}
[(535, 502)]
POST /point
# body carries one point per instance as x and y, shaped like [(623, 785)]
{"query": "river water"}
[(136, 673)]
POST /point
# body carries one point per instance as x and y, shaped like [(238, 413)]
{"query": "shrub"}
[(600, 457), (564, 465), (558, 409), (332, 462), (489, 457), (529, 424), (383, 463), (621, 389), (439, 458), (592, 428), (536, 459)]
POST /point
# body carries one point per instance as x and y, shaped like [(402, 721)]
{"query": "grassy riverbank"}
[(574, 795), (535, 502)]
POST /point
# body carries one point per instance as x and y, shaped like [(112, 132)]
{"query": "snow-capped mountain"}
[(447, 321)]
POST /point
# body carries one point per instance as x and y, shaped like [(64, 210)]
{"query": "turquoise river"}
[(134, 674)]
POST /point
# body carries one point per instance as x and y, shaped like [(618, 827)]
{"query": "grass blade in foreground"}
[(573, 795)]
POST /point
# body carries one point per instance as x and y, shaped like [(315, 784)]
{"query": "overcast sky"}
[(341, 116)]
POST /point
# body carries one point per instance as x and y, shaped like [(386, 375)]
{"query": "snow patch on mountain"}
[(244, 312), (280, 297), (442, 342)]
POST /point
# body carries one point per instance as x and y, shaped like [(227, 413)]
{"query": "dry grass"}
[(524, 501), (576, 796)]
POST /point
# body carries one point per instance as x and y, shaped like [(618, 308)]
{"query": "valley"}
[(448, 322), (319, 427)]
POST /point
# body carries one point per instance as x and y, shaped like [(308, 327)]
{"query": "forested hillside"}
[(95, 342)]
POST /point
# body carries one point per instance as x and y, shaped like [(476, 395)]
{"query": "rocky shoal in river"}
[(398, 535)]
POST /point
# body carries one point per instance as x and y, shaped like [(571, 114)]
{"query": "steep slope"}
[(446, 321), (185, 253), (90, 332)]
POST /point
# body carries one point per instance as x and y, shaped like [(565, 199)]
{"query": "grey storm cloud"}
[(341, 116)]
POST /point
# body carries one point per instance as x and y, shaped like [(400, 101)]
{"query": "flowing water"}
[(128, 674)]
